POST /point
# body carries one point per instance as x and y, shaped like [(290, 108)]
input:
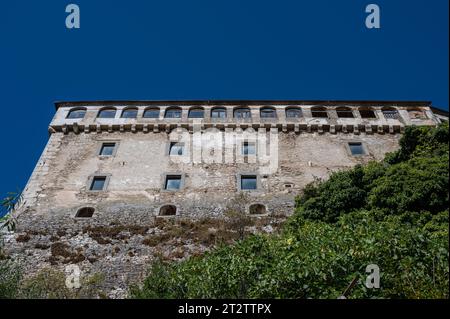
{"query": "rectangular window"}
[(98, 183), (248, 182), (107, 149), (176, 149), (173, 182), (356, 148), (248, 148)]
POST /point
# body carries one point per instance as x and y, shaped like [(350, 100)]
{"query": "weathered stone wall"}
[(125, 234)]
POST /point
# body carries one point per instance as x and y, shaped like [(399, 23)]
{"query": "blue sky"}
[(203, 49)]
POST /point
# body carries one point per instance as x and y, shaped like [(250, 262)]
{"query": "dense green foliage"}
[(393, 214)]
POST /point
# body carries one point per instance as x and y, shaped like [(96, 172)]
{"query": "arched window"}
[(367, 113), (168, 210), (344, 112), (85, 212), (173, 113), (130, 113), (196, 113), (268, 112), (257, 209), (76, 113), (319, 112), (242, 113), (293, 112), (390, 113), (107, 113), (151, 113), (219, 113)]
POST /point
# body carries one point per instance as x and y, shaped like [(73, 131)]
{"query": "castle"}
[(133, 161)]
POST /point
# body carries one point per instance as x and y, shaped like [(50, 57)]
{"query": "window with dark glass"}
[(242, 113), (356, 148), (197, 113), (107, 114), (176, 148), (107, 149), (173, 114), (76, 114), (152, 113), (367, 114), (268, 113), (248, 148), (248, 182), (219, 113), (129, 113), (293, 113), (344, 112), (319, 112), (98, 183), (173, 182)]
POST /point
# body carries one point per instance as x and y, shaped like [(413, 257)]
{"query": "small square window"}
[(98, 183), (176, 149), (357, 148), (248, 182), (173, 182), (248, 148), (107, 149)]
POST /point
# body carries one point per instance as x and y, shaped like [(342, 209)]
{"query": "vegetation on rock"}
[(393, 214)]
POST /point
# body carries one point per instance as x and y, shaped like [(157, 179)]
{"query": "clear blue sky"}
[(203, 49)]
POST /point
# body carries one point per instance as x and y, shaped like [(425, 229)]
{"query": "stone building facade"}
[(129, 162)]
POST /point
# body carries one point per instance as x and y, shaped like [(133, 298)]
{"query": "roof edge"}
[(59, 104)]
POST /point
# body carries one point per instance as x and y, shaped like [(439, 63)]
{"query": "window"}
[(356, 148), (248, 182), (319, 112), (173, 113), (109, 113), (248, 148), (344, 112), (176, 149), (85, 212), (268, 112), (415, 114), (173, 182), (130, 113), (98, 183), (168, 210), (390, 113), (219, 113), (151, 113), (367, 113), (76, 114), (293, 113), (242, 113), (257, 209), (107, 149), (196, 113)]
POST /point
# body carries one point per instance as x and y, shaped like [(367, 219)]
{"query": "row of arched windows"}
[(239, 113)]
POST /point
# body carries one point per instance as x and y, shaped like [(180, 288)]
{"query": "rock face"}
[(121, 183)]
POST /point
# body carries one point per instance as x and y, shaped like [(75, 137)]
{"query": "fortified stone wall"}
[(126, 230)]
